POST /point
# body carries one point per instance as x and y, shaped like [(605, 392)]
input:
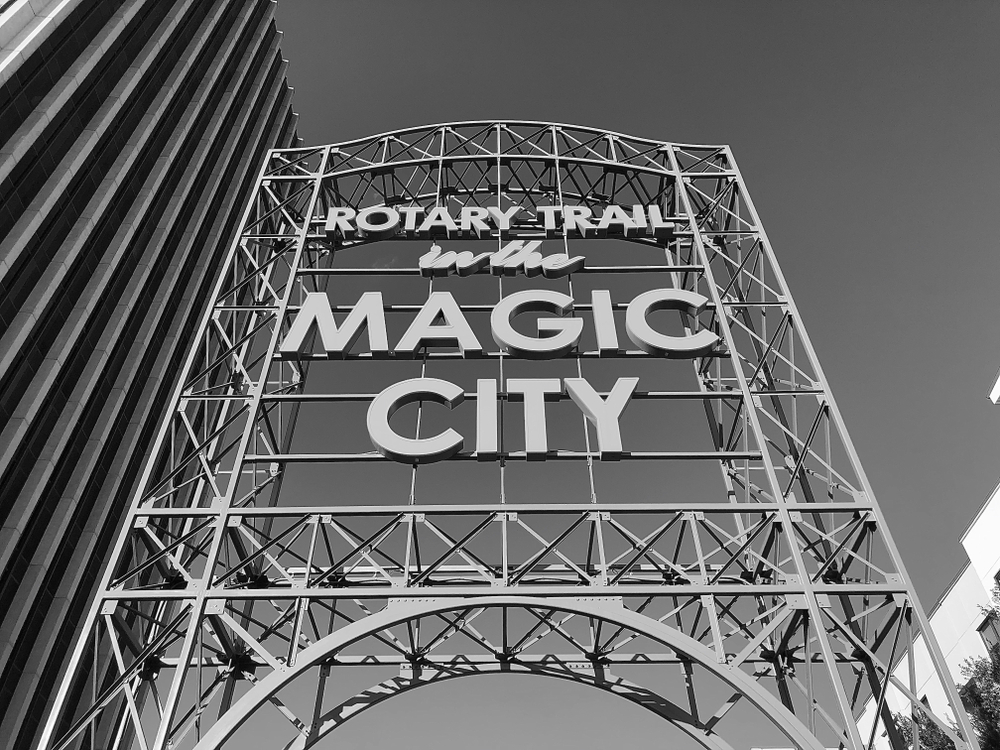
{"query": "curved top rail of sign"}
[(621, 149), (524, 123)]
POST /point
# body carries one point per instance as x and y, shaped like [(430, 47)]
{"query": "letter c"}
[(660, 344), (414, 450)]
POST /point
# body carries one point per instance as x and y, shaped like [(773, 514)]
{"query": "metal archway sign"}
[(547, 300)]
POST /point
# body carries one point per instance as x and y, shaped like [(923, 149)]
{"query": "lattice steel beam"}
[(781, 595)]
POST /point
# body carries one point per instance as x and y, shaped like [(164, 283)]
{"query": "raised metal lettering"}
[(565, 332), (413, 450), (660, 344)]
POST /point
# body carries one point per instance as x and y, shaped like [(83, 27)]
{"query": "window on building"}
[(989, 631)]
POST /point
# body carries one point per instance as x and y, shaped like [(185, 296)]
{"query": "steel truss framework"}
[(784, 597)]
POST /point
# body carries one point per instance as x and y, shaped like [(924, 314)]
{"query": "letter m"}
[(337, 342)]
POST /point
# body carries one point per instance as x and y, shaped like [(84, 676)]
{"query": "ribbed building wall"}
[(131, 132)]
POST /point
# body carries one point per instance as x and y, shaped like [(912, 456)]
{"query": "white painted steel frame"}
[(756, 588)]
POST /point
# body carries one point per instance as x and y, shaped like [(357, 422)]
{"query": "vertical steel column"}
[(226, 506), (937, 656), (772, 478)]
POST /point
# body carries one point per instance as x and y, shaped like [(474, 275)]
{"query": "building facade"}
[(131, 132), (960, 619)]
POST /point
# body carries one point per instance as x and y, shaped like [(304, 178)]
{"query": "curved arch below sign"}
[(402, 611), (339, 715)]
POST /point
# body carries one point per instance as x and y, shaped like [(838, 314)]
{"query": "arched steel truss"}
[(784, 585), (652, 701), (685, 649)]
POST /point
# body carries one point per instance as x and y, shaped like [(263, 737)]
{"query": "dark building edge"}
[(131, 138)]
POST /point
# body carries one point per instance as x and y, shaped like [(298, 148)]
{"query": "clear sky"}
[(867, 134)]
